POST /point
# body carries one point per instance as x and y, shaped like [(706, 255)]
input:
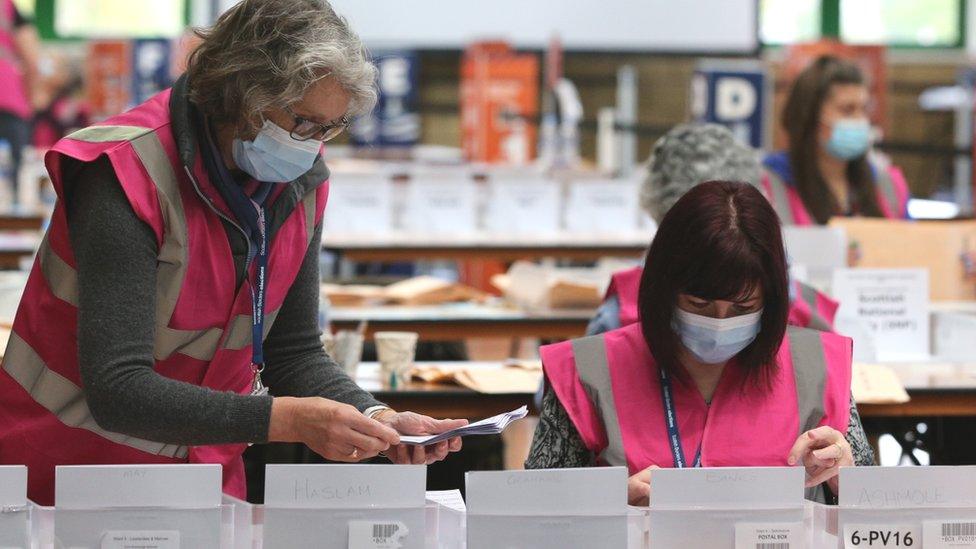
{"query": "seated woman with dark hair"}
[(711, 375)]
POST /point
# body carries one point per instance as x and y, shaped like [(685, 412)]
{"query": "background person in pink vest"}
[(829, 168), (19, 48), (714, 353), (684, 157), (178, 282)]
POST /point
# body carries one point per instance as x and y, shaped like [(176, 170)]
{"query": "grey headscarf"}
[(690, 154)]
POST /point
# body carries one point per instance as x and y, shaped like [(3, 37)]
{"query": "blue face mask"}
[(849, 139), (273, 156), (716, 340)]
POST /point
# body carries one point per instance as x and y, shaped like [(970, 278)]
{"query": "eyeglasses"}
[(306, 129)]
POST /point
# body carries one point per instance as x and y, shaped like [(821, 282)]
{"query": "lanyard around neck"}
[(671, 421)]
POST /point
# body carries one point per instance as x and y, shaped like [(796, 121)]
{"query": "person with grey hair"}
[(688, 155), (172, 314)]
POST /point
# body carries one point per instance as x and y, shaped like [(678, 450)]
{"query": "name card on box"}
[(439, 205), (593, 491), (359, 204), (345, 486), (900, 487), (189, 486), (739, 487), (13, 485), (892, 303), (524, 205), (608, 206)]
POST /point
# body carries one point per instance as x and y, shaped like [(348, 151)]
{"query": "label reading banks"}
[(893, 304)]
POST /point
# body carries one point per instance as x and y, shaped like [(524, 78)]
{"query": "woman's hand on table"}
[(822, 451), (335, 431), (410, 423), (639, 487)]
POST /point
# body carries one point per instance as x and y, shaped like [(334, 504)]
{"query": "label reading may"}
[(141, 539), (948, 534), (769, 535), (370, 534), (872, 536)]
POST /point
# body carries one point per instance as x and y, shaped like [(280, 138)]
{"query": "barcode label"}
[(367, 534), (384, 531), (959, 529), (772, 546), (949, 534)]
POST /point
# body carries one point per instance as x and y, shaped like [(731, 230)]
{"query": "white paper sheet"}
[(489, 426)]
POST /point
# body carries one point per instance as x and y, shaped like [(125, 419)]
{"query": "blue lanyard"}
[(258, 291), (671, 421)]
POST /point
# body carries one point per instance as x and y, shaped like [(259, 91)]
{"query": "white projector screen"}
[(694, 26)]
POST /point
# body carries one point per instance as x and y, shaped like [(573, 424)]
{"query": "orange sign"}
[(108, 78), (499, 104)]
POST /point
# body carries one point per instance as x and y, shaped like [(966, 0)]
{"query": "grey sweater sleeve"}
[(116, 256), (297, 362)]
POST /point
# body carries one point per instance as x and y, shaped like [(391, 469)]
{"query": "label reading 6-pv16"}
[(874, 536)]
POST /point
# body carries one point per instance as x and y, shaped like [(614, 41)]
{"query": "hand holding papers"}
[(489, 426)]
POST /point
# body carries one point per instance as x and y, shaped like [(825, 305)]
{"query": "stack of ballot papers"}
[(522, 376), (491, 426)]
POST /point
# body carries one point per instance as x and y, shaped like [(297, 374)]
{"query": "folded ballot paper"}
[(491, 426)]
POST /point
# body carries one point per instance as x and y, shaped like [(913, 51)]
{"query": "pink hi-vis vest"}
[(609, 386), (203, 321), (13, 94), (890, 184), (809, 309)]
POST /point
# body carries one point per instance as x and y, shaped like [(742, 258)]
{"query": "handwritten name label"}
[(599, 491), (727, 486), (177, 486), (344, 486), (308, 491), (534, 478), (731, 476), (907, 487), (900, 497)]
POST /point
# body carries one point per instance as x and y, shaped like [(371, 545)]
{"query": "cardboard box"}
[(938, 246)]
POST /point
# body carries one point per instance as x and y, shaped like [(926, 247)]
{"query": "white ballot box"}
[(145, 506), (819, 250), (446, 513), (547, 508), (344, 506), (899, 507), (728, 508), (523, 205), (14, 507), (243, 526)]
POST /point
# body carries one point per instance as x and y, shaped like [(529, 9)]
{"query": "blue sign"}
[(150, 68), (734, 94), (395, 120)]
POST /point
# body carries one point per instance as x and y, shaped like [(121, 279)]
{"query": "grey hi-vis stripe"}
[(62, 397), (592, 366), (780, 198), (884, 181), (810, 374), (66, 400), (809, 296), (590, 354)]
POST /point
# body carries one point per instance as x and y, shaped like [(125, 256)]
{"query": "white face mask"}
[(716, 340), (273, 156)]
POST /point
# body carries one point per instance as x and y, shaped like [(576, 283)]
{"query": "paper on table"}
[(489, 426), (517, 377), (877, 384), (451, 499)]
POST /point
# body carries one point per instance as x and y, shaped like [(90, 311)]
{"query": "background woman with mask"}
[(178, 282), (712, 351), (828, 169)]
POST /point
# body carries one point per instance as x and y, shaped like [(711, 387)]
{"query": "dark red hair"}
[(719, 241)]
